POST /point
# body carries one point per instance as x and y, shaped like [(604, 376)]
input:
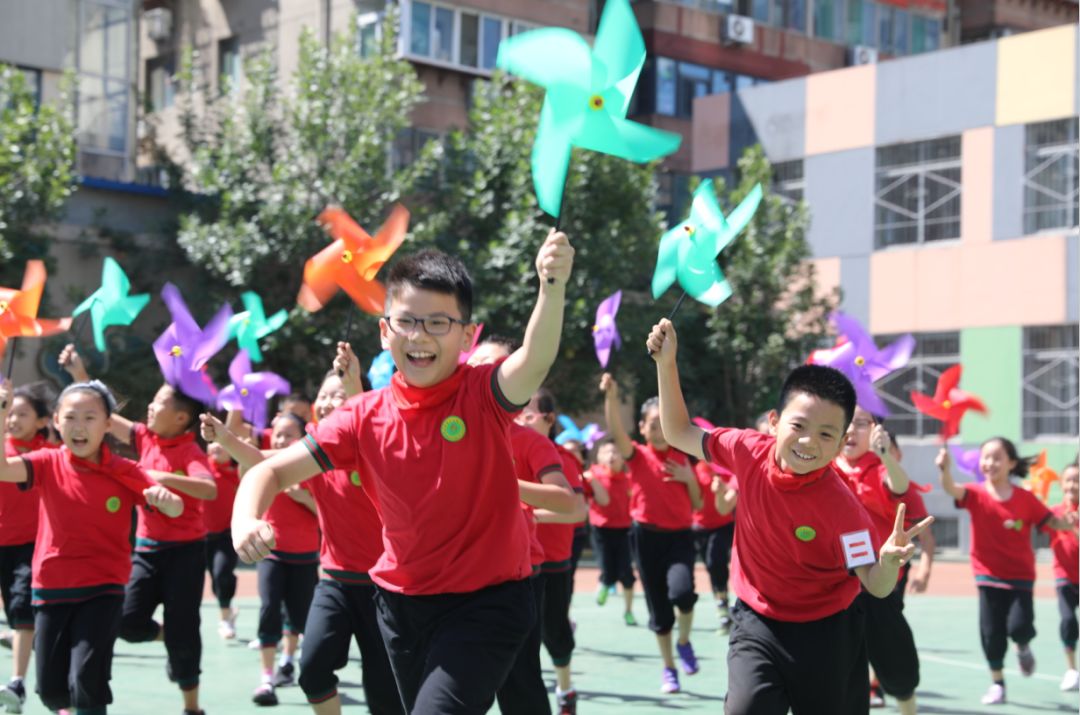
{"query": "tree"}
[(37, 169)]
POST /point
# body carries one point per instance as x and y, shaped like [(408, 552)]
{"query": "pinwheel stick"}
[(678, 304), (11, 358), (348, 333)]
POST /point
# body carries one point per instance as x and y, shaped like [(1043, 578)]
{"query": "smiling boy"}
[(454, 601)]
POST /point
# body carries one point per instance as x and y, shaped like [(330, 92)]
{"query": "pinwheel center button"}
[(689, 229), (346, 256), (244, 391), (860, 360), (596, 102), (176, 351), (3, 306), (946, 404)]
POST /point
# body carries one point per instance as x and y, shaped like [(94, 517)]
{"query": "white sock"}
[(285, 659)]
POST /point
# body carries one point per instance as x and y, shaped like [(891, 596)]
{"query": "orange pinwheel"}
[(949, 402), (1040, 477), (18, 308), (351, 261)]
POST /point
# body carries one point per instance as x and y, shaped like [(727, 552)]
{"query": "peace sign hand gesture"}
[(899, 549)]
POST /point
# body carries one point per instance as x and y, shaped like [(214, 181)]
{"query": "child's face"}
[(808, 433), (23, 422), (300, 408), (994, 462), (534, 419), (286, 431), (424, 359), (857, 439), (331, 396), (609, 456), (162, 416), (649, 426), (82, 423), (1070, 485)]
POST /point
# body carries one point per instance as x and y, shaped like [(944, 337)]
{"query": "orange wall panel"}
[(977, 172)]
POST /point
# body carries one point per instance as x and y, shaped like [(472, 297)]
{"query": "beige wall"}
[(38, 33)]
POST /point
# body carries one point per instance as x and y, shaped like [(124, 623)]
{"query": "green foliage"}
[(37, 169)]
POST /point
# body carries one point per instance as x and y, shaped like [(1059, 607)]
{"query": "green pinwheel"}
[(688, 252), (110, 304), (588, 93), (252, 325)]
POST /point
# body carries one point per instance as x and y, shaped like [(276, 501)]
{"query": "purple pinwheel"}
[(605, 334), (861, 360), (250, 391), (587, 436), (967, 460), (184, 348)]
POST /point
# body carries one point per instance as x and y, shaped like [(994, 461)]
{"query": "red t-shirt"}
[(82, 548), (1064, 544), (1001, 552), (797, 538), (707, 517), (440, 461), (558, 539), (217, 513), (866, 478), (19, 507), (653, 501), (350, 524), (534, 457), (616, 515), (176, 455), (296, 530)]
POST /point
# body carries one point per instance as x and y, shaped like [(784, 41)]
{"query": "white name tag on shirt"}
[(858, 549)]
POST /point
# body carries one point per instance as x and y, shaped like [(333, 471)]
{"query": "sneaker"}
[(264, 695), (687, 658), (670, 682), (995, 695), (13, 696), (285, 675), (877, 696), (567, 702), (601, 595), (227, 627), (1027, 660), (1071, 681), (628, 618), (6, 638)]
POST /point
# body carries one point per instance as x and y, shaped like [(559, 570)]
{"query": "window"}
[(408, 144), (795, 15), (665, 86), (103, 93), (669, 87), (490, 39), (925, 34), (900, 32), (934, 353), (1050, 175), (32, 80), (828, 19), (160, 91), (228, 65), (861, 23), (694, 81), (782, 13), (470, 39), (917, 197), (453, 36), (788, 181), (420, 29), (1051, 384), (369, 32)]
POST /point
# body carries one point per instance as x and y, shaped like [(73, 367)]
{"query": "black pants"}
[(813, 668), (173, 577), (451, 652), (714, 547), (557, 634), (1068, 601), (613, 552), (221, 560), (291, 585), (340, 612), (665, 561), (890, 645), (524, 690), (73, 652), (1004, 613), (15, 584)]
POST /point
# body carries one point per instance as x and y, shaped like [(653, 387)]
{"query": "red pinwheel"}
[(949, 402), (18, 308), (351, 261)]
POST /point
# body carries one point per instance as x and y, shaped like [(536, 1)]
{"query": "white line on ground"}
[(973, 666)]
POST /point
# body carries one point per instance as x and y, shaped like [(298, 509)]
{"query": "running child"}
[(82, 555), (220, 555), (1067, 572), (607, 485), (1002, 517), (803, 544), (714, 530), (454, 601)]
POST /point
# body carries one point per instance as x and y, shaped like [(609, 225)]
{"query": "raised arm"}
[(347, 367), (12, 469), (679, 432), (896, 479), (948, 485), (613, 416), (599, 491), (246, 454), (521, 374), (69, 359)]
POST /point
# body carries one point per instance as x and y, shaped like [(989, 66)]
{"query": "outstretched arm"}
[(896, 479), (948, 485), (245, 453), (679, 432), (599, 491), (200, 487), (613, 416), (12, 469), (521, 374), (880, 578)]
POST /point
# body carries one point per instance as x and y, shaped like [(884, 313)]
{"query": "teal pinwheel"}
[(252, 325), (588, 93), (688, 252), (110, 304)]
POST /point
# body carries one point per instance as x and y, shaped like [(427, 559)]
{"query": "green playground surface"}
[(617, 668)]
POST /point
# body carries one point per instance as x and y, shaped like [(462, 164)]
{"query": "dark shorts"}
[(890, 644), (73, 652), (15, 575), (665, 561)]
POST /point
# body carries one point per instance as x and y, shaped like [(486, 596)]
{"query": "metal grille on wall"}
[(1051, 384), (934, 353), (788, 181), (917, 192), (1050, 175)]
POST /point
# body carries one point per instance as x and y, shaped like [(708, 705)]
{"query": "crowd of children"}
[(449, 573)]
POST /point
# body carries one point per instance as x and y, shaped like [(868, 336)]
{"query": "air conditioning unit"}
[(158, 23), (863, 55), (739, 30)]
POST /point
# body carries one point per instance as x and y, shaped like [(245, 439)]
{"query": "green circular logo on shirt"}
[(112, 504), (805, 533), (355, 478), (453, 429)]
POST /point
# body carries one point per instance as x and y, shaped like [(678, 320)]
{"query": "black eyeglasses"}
[(436, 325)]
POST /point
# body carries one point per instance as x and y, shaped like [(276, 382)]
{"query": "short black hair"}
[(39, 395), (1023, 464), (188, 405), (503, 341), (825, 383), (295, 397), (545, 403), (648, 405), (434, 271), (300, 422)]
